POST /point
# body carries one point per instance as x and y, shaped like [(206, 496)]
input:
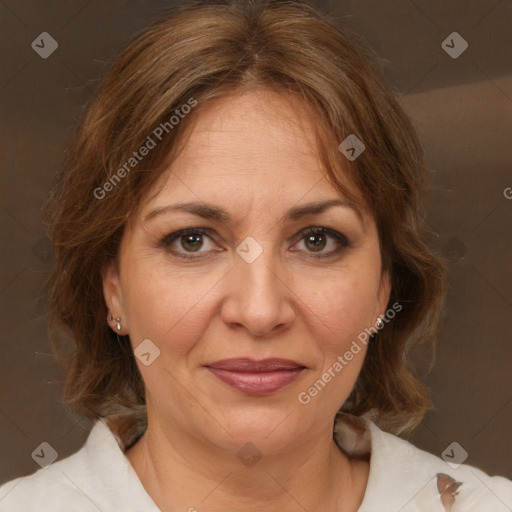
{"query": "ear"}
[(113, 296)]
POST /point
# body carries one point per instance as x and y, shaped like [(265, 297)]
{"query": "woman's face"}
[(249, 281)]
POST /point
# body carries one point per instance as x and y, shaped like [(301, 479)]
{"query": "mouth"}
[(256, 377)]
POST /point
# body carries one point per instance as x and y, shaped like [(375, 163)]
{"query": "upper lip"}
[(250, 365)]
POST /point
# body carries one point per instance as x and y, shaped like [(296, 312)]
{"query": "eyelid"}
[(322, 230), (339, 238), (168, 240), (171, 237)]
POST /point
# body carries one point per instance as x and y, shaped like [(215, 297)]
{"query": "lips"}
[(249, 365), (256, 377)]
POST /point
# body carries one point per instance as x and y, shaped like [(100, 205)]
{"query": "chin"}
[(269, 427)]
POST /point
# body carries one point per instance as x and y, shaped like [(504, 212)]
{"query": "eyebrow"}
[(212, 212)]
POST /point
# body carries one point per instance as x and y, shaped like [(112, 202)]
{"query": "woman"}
[(240, 261)]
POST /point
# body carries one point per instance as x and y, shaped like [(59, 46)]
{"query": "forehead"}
[(255, 150), (258, 131)]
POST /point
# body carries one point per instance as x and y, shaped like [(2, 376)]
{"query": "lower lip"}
[(257, 383)]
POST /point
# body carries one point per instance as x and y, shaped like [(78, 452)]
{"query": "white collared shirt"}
[(402, 478)]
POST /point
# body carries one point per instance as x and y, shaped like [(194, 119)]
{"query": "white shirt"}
[(402, 478)]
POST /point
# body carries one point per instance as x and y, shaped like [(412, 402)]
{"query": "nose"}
[(258, 297)]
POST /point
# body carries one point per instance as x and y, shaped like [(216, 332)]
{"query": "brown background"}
[(462, 109)]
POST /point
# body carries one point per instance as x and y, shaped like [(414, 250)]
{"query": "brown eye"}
[(316, 242), (322, 242), (192, 242)]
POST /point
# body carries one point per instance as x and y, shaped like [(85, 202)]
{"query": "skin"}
[(253, 155)]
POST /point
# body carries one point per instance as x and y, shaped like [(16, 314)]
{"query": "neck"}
[(182, 473)]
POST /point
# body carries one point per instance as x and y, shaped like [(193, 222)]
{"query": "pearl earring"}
[(118, 321)]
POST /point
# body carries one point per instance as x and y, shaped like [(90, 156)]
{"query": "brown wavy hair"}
[(207, 51)]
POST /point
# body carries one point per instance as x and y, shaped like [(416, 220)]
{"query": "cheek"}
[(339, 307), (168, 306), (336, 315)]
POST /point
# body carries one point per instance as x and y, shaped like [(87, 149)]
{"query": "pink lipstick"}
[(256, 377)]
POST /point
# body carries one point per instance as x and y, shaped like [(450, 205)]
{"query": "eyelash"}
[(340, 239)]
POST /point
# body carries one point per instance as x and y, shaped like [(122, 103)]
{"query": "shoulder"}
[(420, 479), (406, 478), (63, 482), (97, 477)]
